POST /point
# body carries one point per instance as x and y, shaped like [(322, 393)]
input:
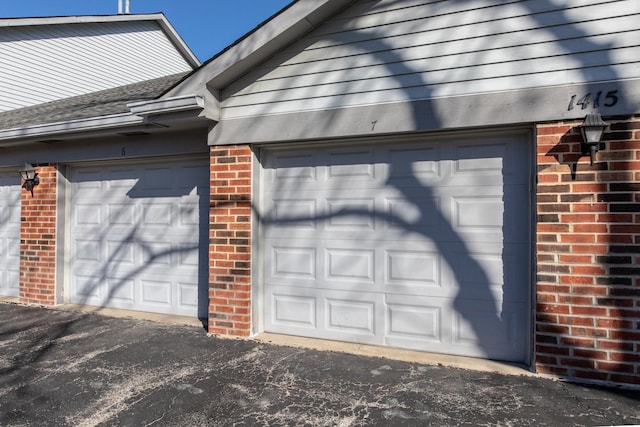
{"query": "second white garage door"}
[(9, 233), (139, 236), (421, 245)]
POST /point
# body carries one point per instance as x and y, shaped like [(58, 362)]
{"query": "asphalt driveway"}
[(60, 368)]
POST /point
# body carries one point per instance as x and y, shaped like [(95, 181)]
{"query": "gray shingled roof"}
[(96, 104)]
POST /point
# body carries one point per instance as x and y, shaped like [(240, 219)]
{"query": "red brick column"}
[(38, 240), (588, 254), (230, 241)]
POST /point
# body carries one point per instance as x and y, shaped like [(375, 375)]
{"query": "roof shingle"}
[(96, 104)]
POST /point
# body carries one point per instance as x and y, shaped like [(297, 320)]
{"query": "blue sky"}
[(207, 26)]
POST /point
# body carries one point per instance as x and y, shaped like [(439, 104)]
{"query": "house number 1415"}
[(608, 100)]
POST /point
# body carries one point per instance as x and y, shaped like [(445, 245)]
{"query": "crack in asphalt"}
[(97, 371)]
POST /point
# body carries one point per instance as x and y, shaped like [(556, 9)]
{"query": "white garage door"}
[(9, 233), (139, 236), (420, 245)]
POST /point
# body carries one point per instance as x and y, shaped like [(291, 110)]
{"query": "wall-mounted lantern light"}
[(30, 177), (592, 129)]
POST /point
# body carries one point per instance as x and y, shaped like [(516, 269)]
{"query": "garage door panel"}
[(88, 214), (10, 193), (415, 268), (88, 183), (156, 213), (351, 164), (490, 265), (414, 322), (478, 272), (291, 218), (350, 213), (121, 252), (87, 250), (188, 255), (343, 266), (159, 253), (292, 311), (156, 292), (516, 201), (406, 216), (290, 263), (326, 314), (146, 232), (496, 154), (424, 162), (477, 159), (121, 290), (329, 265), (350, 315), (513, 288), (295, 214), (412, 271), (187, 297), (84, 286), (120, 215), (11, 276), (297, 166), (469, 179), (483, 333), (478, 212), (351, 265), (189, 212), (415, 235)]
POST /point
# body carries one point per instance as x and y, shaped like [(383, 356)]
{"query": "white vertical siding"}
[(398, 50), (45, 63)]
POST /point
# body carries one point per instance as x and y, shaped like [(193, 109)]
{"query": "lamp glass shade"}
[(28, 173), (592, 134), (592, 128)]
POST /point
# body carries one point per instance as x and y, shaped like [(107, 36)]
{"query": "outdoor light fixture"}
[(30, 177), (592, 129)]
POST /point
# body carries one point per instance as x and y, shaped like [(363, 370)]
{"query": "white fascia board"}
[(72, 126), (83, 19), (177, 41), (275, 34), (166, 105)]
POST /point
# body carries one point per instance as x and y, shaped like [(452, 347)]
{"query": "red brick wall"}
[(38, 239), (230, 241), (588, 254)]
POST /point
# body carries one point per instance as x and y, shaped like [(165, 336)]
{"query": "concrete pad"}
[(168, 319), (411, 356)]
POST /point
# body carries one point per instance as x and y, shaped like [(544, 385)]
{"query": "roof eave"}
[(273, 35), (154, 113), (168, 105), (24, 135), (177, 40)]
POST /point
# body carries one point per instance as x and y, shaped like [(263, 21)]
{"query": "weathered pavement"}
[(62, 368)]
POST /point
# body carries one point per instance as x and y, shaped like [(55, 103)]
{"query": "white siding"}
[(393, 51), (45, 63)]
